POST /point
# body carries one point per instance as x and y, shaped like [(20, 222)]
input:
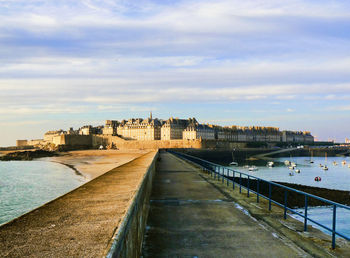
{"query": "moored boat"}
[(253, 168), (287, 162), (270, 164)]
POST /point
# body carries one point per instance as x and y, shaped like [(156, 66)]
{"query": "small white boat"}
[(253, 168), (291, 173), (270, 164), (291, 167), (246, 166), (321, 166), (297, 171), (233, 163), (287, 162), (293, 164), (325, 167), (343, 162), (335, 163)]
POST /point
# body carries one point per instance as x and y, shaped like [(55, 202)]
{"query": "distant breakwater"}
[(296, 200)]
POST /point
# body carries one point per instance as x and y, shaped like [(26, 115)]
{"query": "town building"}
[(138, 129), (198, 131), (110, 127), (173, 128)]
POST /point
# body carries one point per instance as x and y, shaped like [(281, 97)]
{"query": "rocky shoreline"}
[(28, 155)]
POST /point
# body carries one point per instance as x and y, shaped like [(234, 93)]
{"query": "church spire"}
[(150, 115)]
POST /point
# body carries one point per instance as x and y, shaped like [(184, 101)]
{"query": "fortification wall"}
[(37, 142), (217, 144), (21, 143), (120, 143)]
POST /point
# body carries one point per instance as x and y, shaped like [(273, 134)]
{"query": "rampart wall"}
[(151, 144)]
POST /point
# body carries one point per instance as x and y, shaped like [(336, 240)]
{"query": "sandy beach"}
[(93, 163)]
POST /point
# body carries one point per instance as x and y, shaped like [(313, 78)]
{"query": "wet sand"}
[(93, 163), (80, 223)]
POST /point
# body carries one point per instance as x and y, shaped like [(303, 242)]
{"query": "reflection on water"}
[(25, 185)]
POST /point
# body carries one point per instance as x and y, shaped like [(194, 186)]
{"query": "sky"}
[(67, 63)]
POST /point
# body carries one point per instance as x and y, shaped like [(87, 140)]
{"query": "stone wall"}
[(73, 141), (129, 236), (120, 143), (20, 143)]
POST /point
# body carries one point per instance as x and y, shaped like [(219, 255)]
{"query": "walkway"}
[(189, 217)]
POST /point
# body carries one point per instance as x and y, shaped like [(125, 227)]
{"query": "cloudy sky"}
[(275, 63)]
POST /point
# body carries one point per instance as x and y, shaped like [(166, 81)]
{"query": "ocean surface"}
[(336, 177), (26, 185)]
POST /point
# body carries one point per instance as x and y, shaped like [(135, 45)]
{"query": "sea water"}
[(336, 177), (26, 185)]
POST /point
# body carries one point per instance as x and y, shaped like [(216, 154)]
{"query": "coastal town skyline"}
[(79, 127), (230, 62)]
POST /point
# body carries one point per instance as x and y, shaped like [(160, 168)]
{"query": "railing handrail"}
[(286, 208)]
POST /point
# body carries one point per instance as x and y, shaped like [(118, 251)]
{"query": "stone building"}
[(48, 136), (139, 129), (89, 130), (198, 131), (298, 136), (173, 128), (110, 127)]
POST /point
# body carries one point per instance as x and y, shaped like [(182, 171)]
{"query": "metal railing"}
[(224, 173)]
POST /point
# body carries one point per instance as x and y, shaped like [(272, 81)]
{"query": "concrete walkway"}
[(189, 217)]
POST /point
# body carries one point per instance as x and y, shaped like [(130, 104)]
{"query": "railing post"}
[(285, 204), (248, 187), (333, 228), (269, 196), (233, 180), (240, 182), (223, 174), (305, 213), (227, 176), (257, 190)]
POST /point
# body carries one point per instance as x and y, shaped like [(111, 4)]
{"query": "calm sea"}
[(26, 185), (336, 177)]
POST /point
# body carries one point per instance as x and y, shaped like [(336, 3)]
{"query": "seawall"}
[(88, 221)]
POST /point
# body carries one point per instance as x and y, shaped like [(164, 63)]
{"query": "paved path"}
[(80, 223), (189, 217)]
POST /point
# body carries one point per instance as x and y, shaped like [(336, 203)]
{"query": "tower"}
[(150, 115)]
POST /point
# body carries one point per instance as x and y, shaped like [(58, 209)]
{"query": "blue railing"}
[(224, 173)]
